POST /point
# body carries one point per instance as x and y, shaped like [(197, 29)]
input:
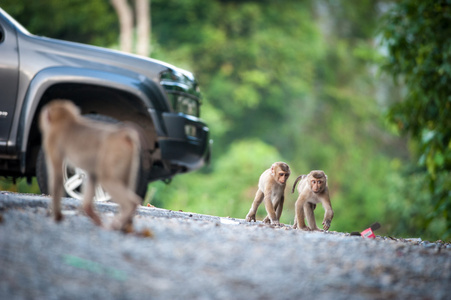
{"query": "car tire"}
[(73, 177)]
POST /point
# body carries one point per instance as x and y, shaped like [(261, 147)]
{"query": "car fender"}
[(144, 89)]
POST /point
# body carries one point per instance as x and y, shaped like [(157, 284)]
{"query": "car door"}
[(9, 77)]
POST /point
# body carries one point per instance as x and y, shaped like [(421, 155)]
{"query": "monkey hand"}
[(250, 217), (267, 220), (326, 224)]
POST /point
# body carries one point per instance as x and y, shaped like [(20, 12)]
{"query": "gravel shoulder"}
[(192, 256)]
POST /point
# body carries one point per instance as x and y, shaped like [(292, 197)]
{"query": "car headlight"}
[(182, 91), (184, 104), (187, 106)]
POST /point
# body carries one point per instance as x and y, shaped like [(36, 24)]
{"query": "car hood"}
[(47, 52)]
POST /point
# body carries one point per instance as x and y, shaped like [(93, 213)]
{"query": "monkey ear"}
[(272, 169)]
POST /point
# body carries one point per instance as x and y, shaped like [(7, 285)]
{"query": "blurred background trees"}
[(416, 35), (301, 82)]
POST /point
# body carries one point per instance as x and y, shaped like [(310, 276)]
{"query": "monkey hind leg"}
[(127, 200), (295, 222), (300, 215), (55, 181), (255, 204), (308, 209), (88, 195)]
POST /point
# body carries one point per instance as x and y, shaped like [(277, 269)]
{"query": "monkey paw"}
[(250, 218), (305, 228), (58, 217), (326, 225), (125, 227), (275, 223)]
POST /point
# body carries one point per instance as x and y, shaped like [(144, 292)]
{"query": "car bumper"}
[(187, 141)]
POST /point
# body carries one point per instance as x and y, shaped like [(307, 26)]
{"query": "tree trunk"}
[(143, 26), (125, 15)]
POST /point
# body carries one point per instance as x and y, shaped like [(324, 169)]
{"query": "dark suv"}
[(106, 85)]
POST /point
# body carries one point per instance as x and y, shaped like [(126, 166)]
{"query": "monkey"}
[(108, 153), (312, 189), (271, 188)]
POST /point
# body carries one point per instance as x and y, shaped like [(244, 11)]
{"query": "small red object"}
[(368, 233)]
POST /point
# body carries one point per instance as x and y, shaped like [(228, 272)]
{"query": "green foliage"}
[(249, 59), (414, 214), (21, 186), (91, 22), (416, 34)]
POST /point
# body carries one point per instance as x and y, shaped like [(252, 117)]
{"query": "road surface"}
[(190, 256)]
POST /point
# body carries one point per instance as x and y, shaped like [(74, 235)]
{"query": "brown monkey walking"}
[(271, 188), (108, 153), (312, 190)]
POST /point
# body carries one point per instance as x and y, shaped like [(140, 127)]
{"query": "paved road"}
[(191, 256)]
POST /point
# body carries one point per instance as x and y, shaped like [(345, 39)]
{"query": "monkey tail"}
[(296, 182)]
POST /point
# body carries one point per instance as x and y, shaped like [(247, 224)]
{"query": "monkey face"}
[(282, 177), (280, 172), (317, 185)]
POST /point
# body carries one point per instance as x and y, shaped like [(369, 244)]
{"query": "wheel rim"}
[(73, 179)]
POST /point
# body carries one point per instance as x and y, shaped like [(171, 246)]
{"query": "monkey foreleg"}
[(326, 224), (279, 207), (271, 212), (300, 215), (328, 215)]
